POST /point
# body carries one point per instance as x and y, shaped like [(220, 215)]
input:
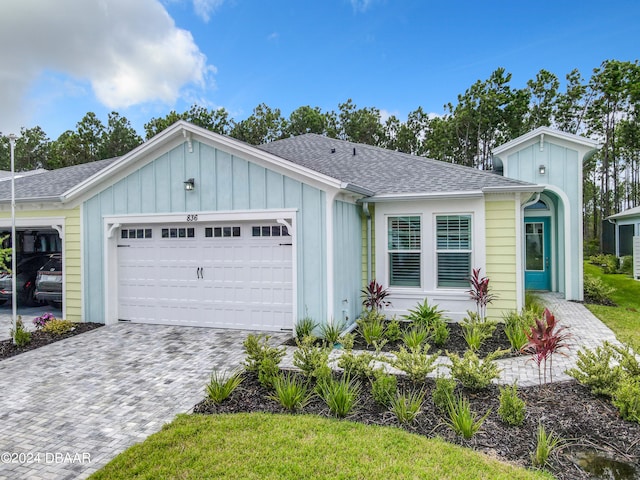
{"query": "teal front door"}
[(537, 261)]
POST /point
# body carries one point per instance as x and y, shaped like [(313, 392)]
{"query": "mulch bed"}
[(585, 422), (455, 344), (40, 339)]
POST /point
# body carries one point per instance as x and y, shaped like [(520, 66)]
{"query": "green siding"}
[(500, 225), (223, 182)]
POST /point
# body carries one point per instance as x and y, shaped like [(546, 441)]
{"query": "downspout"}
[(367, 213)]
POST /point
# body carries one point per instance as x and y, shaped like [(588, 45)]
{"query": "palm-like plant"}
[(480, 293), (374, 296), (544, 339)]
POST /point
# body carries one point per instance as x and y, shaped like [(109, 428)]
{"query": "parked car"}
[(27, 270), (49, 282)]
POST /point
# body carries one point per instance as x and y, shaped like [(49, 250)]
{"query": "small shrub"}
[(416, 363), (305, 327), (384, 387), (374, 296), (512, 407), (595, 369), (330, 332), (19, 334), (546, 444), (628, 360), (347, 340), (257, 348), (58, 327), (221, 386), (440, 333), (596, 291), (462, 419), (407, 406), (442, 394), (533, 303), (268, 371), (608, 263), (357, 365), (626, 265), (516, 326), (310, 357), (42, 320), (415, 337), (392, 331), (475, 331), (290, 391), (372, 327), (341, 396), (424, 314), (626, 399), (473, 373)]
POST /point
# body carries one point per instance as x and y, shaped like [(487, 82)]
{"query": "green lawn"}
[(624, 319), (264, 446)]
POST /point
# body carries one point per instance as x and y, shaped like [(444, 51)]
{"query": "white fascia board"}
[(515, 189), (398, 197), (568, 137), (181, 131), (631, 212)]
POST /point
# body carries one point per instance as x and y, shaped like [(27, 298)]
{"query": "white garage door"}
[(214, 275)]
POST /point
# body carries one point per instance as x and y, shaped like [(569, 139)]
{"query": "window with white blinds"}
[(404, 246), (453, 248)]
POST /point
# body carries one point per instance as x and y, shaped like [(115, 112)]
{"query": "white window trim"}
[(421, 251), (436, 251)]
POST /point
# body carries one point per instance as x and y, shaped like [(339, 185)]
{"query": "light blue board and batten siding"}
[(223, 182), (563, 167), (347, 249)]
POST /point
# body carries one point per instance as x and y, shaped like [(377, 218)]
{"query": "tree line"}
[(490, 112)]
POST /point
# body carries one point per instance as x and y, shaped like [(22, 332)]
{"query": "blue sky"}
[(148, 57)]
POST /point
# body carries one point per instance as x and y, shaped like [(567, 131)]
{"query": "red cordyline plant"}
[(545, 338), (374, 296), (479, 292)]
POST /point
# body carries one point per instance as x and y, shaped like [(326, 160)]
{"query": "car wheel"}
[(28, 298)]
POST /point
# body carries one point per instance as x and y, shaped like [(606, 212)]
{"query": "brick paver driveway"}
[(68, 408)]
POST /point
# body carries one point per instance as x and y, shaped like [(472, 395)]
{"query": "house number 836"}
[(192, 217)]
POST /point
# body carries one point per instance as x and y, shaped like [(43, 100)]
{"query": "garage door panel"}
[(237, 281)]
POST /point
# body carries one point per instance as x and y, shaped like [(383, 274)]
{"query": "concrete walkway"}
[(68, 408), (585, 328)]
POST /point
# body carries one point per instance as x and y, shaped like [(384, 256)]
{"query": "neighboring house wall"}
[(347, 257), (224, 183), (502, 251), (455, 300), (626, 229), (71, 254)]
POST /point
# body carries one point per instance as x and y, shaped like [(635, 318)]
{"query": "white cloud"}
[(204, 8), (360, 5), (129, 51)]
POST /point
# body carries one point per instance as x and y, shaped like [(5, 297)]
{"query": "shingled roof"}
[(382, 171), (50, 185)]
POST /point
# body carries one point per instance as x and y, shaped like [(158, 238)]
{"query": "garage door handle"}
[(202, 272), (289, 244), (198, 272)]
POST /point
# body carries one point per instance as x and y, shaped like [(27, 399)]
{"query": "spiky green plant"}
[(221, 385)]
